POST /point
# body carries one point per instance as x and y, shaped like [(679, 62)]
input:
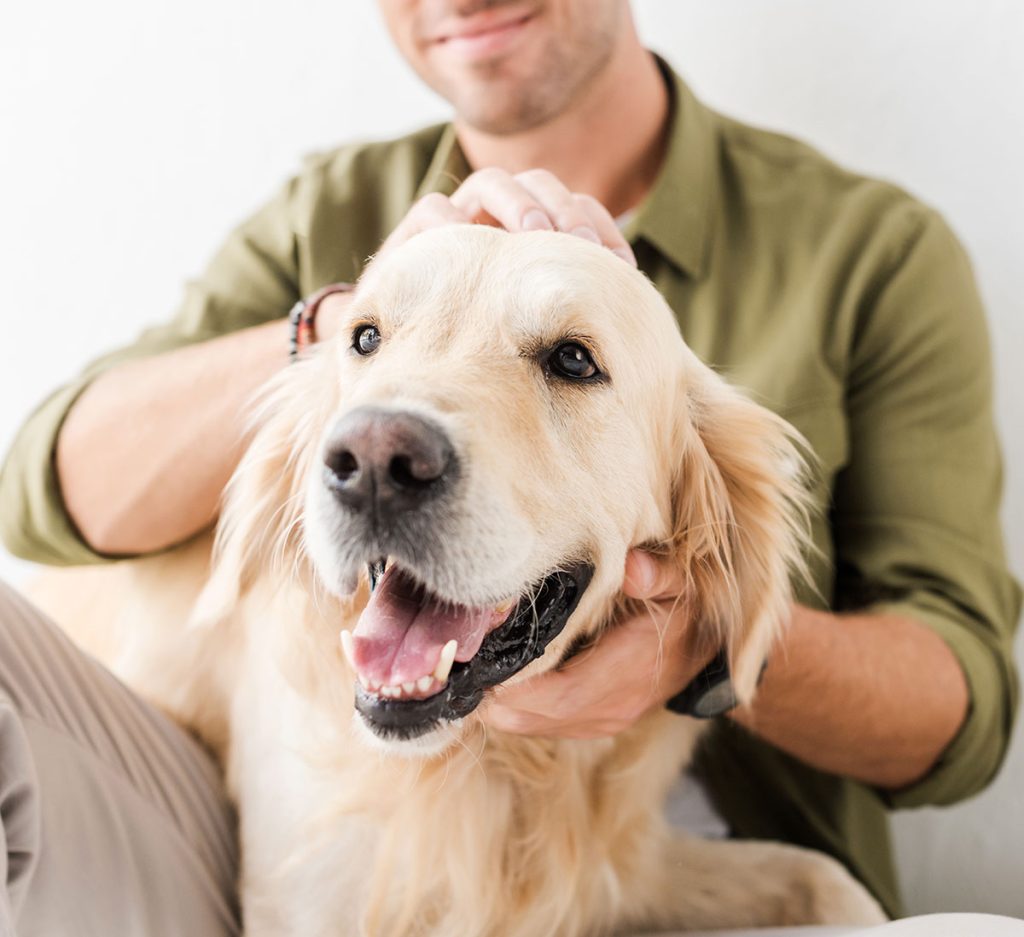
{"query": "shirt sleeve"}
[(252, 279), (916, 510)]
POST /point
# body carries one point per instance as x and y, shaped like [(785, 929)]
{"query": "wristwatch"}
[(707, 695)]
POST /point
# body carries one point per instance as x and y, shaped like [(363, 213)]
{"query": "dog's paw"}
[(820, 890)]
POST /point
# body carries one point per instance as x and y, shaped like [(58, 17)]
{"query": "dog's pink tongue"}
[(403, 628)]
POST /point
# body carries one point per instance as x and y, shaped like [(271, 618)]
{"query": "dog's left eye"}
[(572, 360), (365, 339)]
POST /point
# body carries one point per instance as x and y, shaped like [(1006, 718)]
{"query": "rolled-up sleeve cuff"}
[(35, 524), (974, 756)]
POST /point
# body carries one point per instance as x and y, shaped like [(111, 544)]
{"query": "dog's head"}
[(500, 420)]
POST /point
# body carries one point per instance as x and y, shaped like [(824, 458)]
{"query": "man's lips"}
[(484, 34)]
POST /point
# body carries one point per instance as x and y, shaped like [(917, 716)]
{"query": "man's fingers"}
[(564, 209), (606, 227), (536, 200), (548, 703), (431, 211), (603, 690), (544, 696), (651, 577), (515, 721), (494, 193), (594, 687), (575, 213), (530, 201)]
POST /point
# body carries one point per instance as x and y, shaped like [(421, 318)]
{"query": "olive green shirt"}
[(839, 302)]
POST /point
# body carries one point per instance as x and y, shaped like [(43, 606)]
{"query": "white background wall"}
[(135, 134)]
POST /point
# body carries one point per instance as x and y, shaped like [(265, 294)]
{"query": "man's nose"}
[(386, 462)]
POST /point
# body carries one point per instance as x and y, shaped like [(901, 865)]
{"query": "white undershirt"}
[(689, 808)]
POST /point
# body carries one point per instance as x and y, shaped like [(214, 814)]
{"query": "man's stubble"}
[(516, 94)]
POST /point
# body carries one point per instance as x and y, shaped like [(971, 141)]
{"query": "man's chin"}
[(497, 99)]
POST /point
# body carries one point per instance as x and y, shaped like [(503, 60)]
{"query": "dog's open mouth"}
[(421, 660)]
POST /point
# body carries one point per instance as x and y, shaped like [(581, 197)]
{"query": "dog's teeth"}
[(425, 683), (348, 646), (445, 661), (504, 607), (363, 681)]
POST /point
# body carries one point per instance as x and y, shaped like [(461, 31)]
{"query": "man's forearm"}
[(146, 451), (874, 697)]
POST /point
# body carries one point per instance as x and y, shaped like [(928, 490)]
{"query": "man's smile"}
[(486, 35)]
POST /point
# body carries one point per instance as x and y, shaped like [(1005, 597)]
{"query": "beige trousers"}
[(113, 821)]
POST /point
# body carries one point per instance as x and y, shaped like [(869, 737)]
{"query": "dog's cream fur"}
[(486, 833)]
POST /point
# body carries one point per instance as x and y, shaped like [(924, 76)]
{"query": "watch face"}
[(717, 700)]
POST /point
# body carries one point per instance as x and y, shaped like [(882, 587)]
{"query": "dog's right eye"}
[(365, 339), (571, 360)]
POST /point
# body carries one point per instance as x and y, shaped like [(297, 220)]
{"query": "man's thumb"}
[(647, 577)]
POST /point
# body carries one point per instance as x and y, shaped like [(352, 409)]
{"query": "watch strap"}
[(708, 694)]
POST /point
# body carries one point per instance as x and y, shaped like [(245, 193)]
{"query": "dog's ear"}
[(740, 522), (261, 516)]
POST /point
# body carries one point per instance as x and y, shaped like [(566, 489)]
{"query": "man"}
[(840, 302)]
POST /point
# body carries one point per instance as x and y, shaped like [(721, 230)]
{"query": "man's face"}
[(506, 65)]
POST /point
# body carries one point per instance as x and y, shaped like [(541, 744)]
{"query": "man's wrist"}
[(771, 695), (871, 696)]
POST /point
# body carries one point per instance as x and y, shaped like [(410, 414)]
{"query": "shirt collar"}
[(676, 215), (448, 166)]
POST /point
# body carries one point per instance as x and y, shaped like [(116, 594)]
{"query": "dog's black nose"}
[(387, 461)]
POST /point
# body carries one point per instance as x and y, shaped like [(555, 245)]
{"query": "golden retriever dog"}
[(441, 501)]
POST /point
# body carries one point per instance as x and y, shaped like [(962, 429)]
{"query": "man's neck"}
[(609, 145)]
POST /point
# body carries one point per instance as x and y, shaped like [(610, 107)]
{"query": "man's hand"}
[(634, 666), (875, 697), (528, 201)]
